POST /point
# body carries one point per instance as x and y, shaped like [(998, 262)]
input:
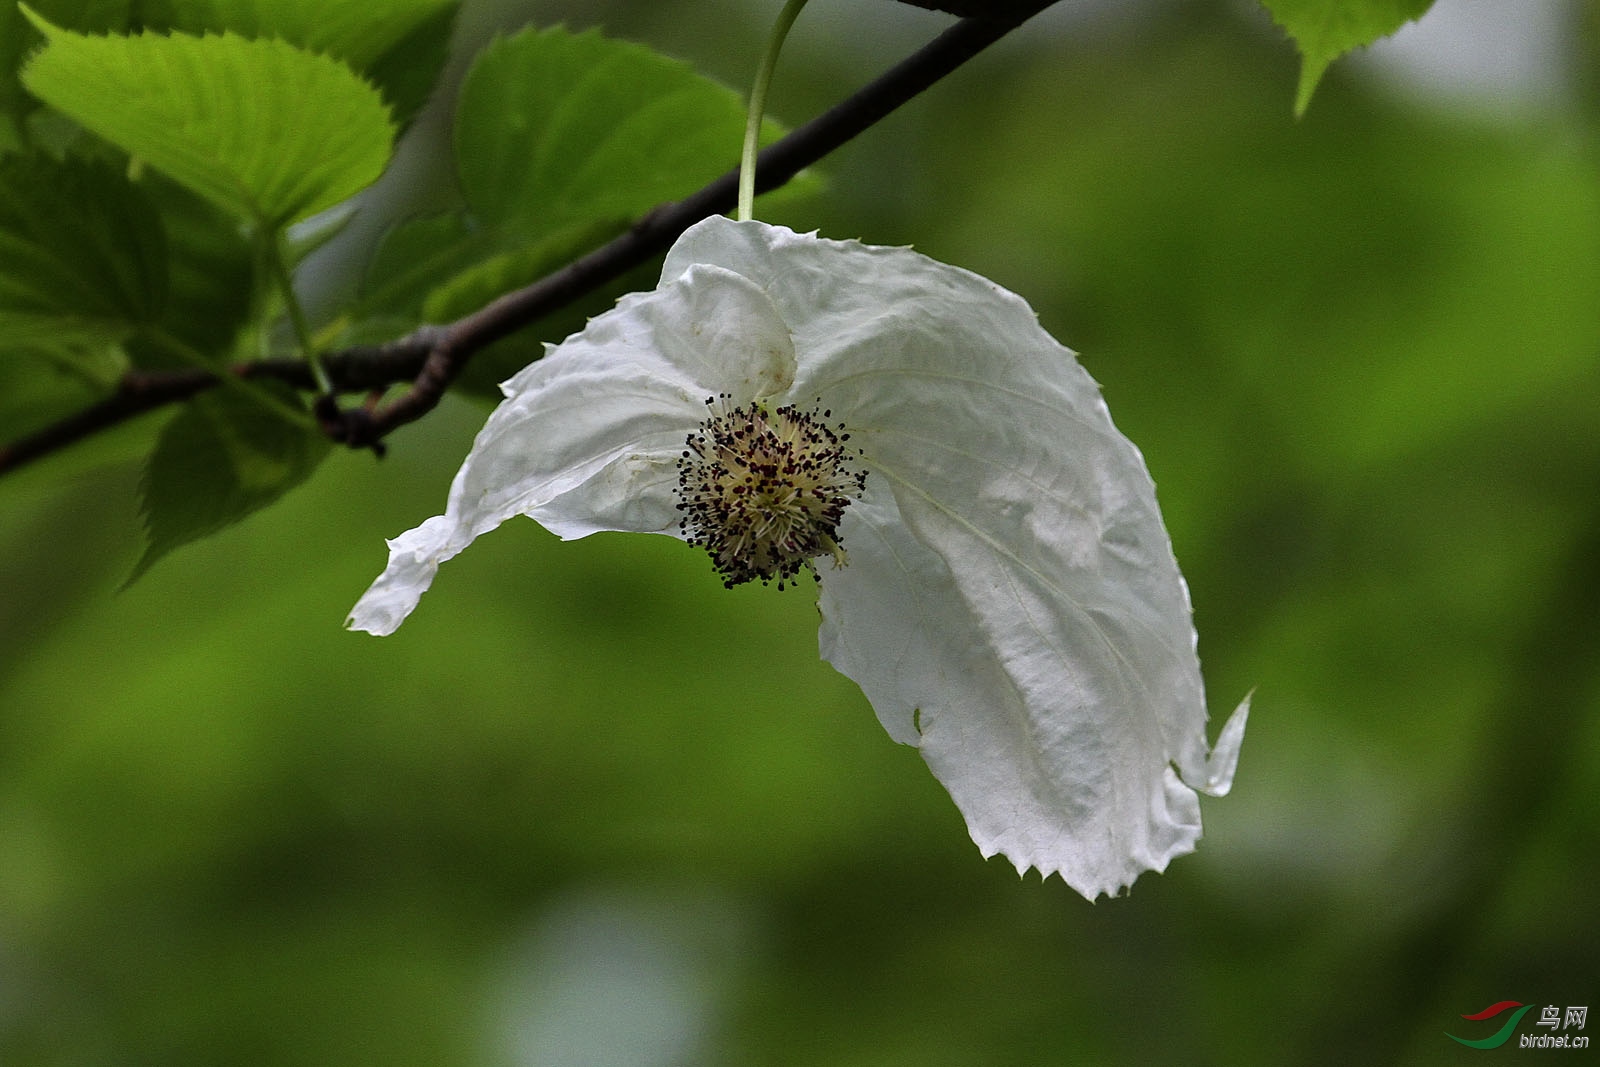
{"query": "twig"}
[(352, 370), (654, 233), (431, 357), (1020, 9), (136, 394)]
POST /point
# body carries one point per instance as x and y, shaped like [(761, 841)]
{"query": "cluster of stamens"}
[(763, 490)]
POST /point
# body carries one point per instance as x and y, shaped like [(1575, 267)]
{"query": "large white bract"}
[(1008, 600)]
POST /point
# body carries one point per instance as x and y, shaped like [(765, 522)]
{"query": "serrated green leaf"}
[(555, 128), (225, 455), (14, 40), (412, 257), (397, 43), (356, 31), (264, 130), (400, 44), (83, 258), (18, 37), (561, 141), (1324, 30), (210, 275), (408, 70)]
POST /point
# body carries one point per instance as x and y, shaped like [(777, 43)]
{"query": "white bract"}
[(994, 571)]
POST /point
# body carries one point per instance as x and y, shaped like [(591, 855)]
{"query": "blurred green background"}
[(587, 807)]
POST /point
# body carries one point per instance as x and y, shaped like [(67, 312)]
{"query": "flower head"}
[(763, 491), (995, 574)]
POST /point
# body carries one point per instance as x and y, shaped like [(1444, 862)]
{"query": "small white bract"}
[(995, 573)]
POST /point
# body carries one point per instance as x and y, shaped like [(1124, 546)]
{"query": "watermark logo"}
[(1501, 1036), (1551, 1017)]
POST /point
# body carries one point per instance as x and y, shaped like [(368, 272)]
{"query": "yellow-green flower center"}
[(763, 491)]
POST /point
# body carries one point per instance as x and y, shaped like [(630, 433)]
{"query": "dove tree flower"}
[(993, 569)]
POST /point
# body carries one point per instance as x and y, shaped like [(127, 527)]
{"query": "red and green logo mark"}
[(1501, 1036)]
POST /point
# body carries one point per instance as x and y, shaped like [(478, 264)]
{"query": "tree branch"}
[(655, 233), (352, 370), (993, 9), (432, 356)]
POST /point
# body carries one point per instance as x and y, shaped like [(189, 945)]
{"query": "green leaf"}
[(495, 275), (561, 141), (1324, 30), (408, 70), (18, 38), (227, 454), (42, 383), (86, 16), (400, 44), (14, 41), (82, 254), (476, 286), (211, 271), (411, 259), (356, 31), (554, 128), (264, 130)]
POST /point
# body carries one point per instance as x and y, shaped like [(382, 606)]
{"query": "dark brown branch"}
[(993, 9), (432, 356), (353, 370), (654, 233), (136, 394)]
